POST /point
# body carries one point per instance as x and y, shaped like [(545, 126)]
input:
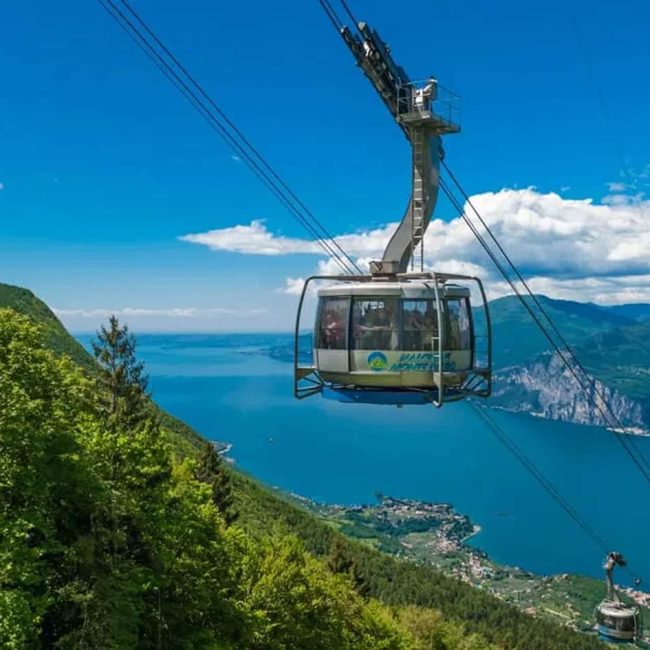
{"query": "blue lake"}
[(229, 390)]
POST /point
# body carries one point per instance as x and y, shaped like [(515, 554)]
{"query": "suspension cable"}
[(599, 399), (537, 474), (586, 383), (331, 14), (528, 464), (624, 440), (255, 164), (241, 136), (348, 11)]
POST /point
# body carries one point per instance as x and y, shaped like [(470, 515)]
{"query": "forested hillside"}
[(518, 340), (25, 302), (121, 528)]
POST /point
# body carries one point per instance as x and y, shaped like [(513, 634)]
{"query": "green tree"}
[(121, 376), (47, 490), (103, 542), (212, 470), (297, 603), (341, 560)]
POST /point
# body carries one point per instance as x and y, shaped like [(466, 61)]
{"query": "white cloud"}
[(251, 239), (623, 199), (293, 286), (617, 290), (174, 312), (570, 248)]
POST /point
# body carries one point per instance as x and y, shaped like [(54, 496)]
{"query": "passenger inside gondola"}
[(375, 325), (413, 324), (419, 325), (333, 325), (430, 328), (453, 326)]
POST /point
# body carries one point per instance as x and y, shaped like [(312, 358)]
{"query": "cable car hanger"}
[(394, 336)]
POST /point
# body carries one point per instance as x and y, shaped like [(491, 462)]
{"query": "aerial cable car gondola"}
[(394, 337), (617, 621)]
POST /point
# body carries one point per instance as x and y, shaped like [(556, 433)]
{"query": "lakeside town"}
[(436, 534)]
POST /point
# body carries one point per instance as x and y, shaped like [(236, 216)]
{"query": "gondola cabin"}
[(401, 341), (618, 622)]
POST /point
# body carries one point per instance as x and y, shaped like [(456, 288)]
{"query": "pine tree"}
[(212, 470), (122, 377)]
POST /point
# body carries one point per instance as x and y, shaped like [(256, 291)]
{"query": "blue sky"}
[(103, 165)]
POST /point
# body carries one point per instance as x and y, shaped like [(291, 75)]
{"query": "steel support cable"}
[(246, 142), (517, 273), (608, 414), (331, 14), (530, 466), (214, 122), (202, 109), (348, 11), (622, 439)]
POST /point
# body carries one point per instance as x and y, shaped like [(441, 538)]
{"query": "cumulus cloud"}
[(251, 239), (570, 248), (293, 286), (329, 266), (174, 312)]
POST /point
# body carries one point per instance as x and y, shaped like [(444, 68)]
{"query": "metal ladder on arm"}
[(420, 187)]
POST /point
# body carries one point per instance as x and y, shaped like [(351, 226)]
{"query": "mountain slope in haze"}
[(472, 618), (58, 339), (517, 339), (639, 311)]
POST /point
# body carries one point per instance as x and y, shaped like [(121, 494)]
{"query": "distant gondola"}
[(617, 621)]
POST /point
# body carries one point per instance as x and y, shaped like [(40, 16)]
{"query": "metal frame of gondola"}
[(307, 381)]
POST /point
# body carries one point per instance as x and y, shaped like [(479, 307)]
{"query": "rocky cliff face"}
[(547, 388)]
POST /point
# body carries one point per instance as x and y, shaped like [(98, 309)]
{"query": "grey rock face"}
[(547, 388)]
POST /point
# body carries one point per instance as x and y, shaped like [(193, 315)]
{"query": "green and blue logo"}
[(377, 361)]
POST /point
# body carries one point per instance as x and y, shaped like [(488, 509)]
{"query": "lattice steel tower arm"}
[(424, 116)]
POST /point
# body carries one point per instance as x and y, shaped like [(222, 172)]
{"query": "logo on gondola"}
[(377, 361)]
